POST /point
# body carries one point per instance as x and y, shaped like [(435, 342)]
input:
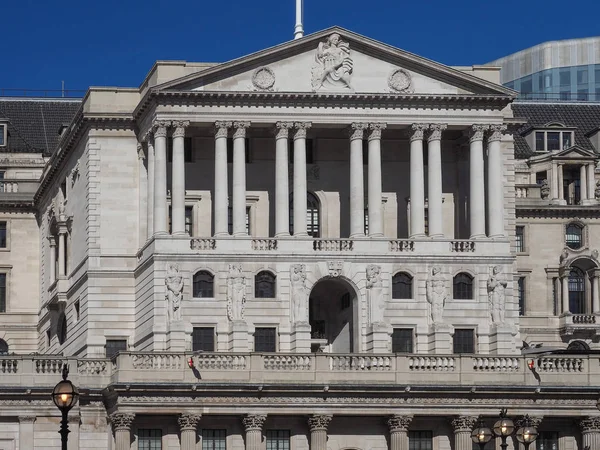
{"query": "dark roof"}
[(584, 117), (33, 124)]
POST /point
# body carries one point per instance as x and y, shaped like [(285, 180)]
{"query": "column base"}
[(417, 236), (378, 338), (244, 234), (300, 337), (375, 235), (436, 236), (477, 236), (357, 236), (302, 235), (440, 339), (160, 233), (176, 336), (502, 339), (222, 234), (238, 336), (179, 234), (282, 235)]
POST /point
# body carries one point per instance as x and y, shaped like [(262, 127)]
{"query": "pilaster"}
[(462, 426), (590, 432), (188, 424), (253, 424), (398, 426), (318, 424), (374, 203), (121, 424)]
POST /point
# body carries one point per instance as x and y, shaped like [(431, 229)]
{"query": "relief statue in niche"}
[(375, 294), (334, 66), (174, 283), (495, 287), (236, 293), (437, 293), (299, 307)]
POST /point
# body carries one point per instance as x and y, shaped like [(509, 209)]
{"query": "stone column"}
[(253, 423), (62, 240), (477, 187), (239, 178), (596, 292), (282, 189), (26, 432), (318, 424), (434, 188), (188, 424), (583, 190), (565, 291), (495, 184), (142, 194), (561, 184), (554, 176), (462, 426), (591, 184), (52, 242), (160, 177), (357, 183), (300, 178), (374, 181), (121, 423), (590, 432), (221, 198), (398, 426), (417, 181), (150, 191), (178, 179)]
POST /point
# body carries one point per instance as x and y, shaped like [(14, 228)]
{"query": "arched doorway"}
[(333, 313)]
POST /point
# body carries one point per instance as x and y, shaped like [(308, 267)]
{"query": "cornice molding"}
[(556, 212)]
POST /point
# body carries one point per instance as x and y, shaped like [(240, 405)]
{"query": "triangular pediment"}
[(336, 60), (575, 152)]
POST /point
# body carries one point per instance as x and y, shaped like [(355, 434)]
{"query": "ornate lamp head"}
[(505, 426), (481, 434), (65, 395)]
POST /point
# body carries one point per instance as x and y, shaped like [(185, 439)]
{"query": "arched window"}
[(3, 347), (62, 329), (313, 215), (402, 285), (203, 285), (574, 236), (576, 291), (462, 286), (264, 285)]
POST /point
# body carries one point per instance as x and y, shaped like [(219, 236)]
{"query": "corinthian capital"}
[(301, 129), (417, 131), (357, 130), (399, 423), (496, 132), (121, 421), (528, 420), (376, 130), (435, 131), (282, 130), (254, 422), (590, 424), (463, 423), (319, 422), (188, 421), (240, 129), (477, 131), (180, 127), (160, 128), (222, 128)]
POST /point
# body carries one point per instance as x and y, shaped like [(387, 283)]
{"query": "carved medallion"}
[(400, 81), (335, 268), (263, 79)]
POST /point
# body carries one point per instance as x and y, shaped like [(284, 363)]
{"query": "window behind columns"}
[(278, 439), (420, 440), (214, 439), (230, 150), (313, 215), (230, 218), (576, 291), (310, 157), (547, 440), (521, 286), (187, 150), (149, 439)]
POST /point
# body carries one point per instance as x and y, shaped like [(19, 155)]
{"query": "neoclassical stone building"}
[(319, 245)]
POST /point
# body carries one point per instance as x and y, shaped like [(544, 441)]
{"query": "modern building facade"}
[(329, 244), (557, 70)]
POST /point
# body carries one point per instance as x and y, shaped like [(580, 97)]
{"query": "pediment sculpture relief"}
[(263, 79), (333, 65), (400, 82)]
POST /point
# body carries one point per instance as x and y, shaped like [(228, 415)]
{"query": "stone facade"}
[(306, 215)]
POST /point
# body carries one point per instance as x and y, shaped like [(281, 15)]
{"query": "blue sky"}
[(115, 42)]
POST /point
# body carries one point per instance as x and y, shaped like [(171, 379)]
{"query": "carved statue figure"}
[(375, 294), (437, 294), (61, 208), (545, 189), (495, 287), (236, 293), (564, 257), (174, 283), (333, 67), (299, 307), (597, 190)]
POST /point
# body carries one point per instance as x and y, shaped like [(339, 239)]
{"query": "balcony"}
[(570, 324), (316, 369), (18, 192)]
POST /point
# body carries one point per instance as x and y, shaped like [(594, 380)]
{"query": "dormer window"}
[(553, 140), (3, 133)]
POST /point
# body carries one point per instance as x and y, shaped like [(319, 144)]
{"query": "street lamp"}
[(481, 434), (527, 433), (65, 396), (504, 427)]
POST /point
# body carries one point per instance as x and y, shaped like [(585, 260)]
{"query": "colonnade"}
[(594, 285), (587, 181), (157, 175)]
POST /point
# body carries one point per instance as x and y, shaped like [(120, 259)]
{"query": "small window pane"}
[(574, 236), (114, 346), (582, 76), (203, 285), (265, 340), (2, 292), (520, 239), (2, 135), (576, 291), (553, 138), (402, 286), (539, 141), (567, 139), (565, 77), (420, 440), (189, 210), (464, 341), (278, 440), (203, 339), (149, 439), (521, 286), (402, 340), (214, 439), (463, 287)]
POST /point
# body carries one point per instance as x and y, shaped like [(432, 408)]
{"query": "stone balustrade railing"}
[(264, 244), (462, 246), (318, 368), (333, 245), (203, 244), (23, 186), (400, 245), (531, 191), (584, 319)]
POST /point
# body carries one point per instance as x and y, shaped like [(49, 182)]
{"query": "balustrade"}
[(264, 244), (462, 246), (203, 244), (496, 364), (431, 363), (333, 245), (402, 246)]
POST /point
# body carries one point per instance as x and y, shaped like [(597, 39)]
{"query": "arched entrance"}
[(333, 313)]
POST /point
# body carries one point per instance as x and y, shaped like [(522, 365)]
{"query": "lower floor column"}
[(398, 426), (596, 292), (188, 424), (462, 426), (565, 292), (26, 431), (318, 425), (121, 423), (583, 190), (253, 423), (590, 432)]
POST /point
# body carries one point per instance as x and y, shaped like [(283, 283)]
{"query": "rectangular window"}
[(420, 440), (565, 77), (2, 292), (521, 286), (203, 339), (187, 150), (402, 340), (189, 221), (547, 440), (553, 140), (310, 157), (214, 439), (230, 219), (582, 76), (540, 142), (567, 139), (114, 346), (464, 340), (149, 439), (230, 150), (3, 234), (265, 340), (2, 134), (278, 440), (520, 239)]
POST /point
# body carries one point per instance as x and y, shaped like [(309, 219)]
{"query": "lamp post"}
[(503, 428), (527, 433), (481, 434), (65, 396)]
